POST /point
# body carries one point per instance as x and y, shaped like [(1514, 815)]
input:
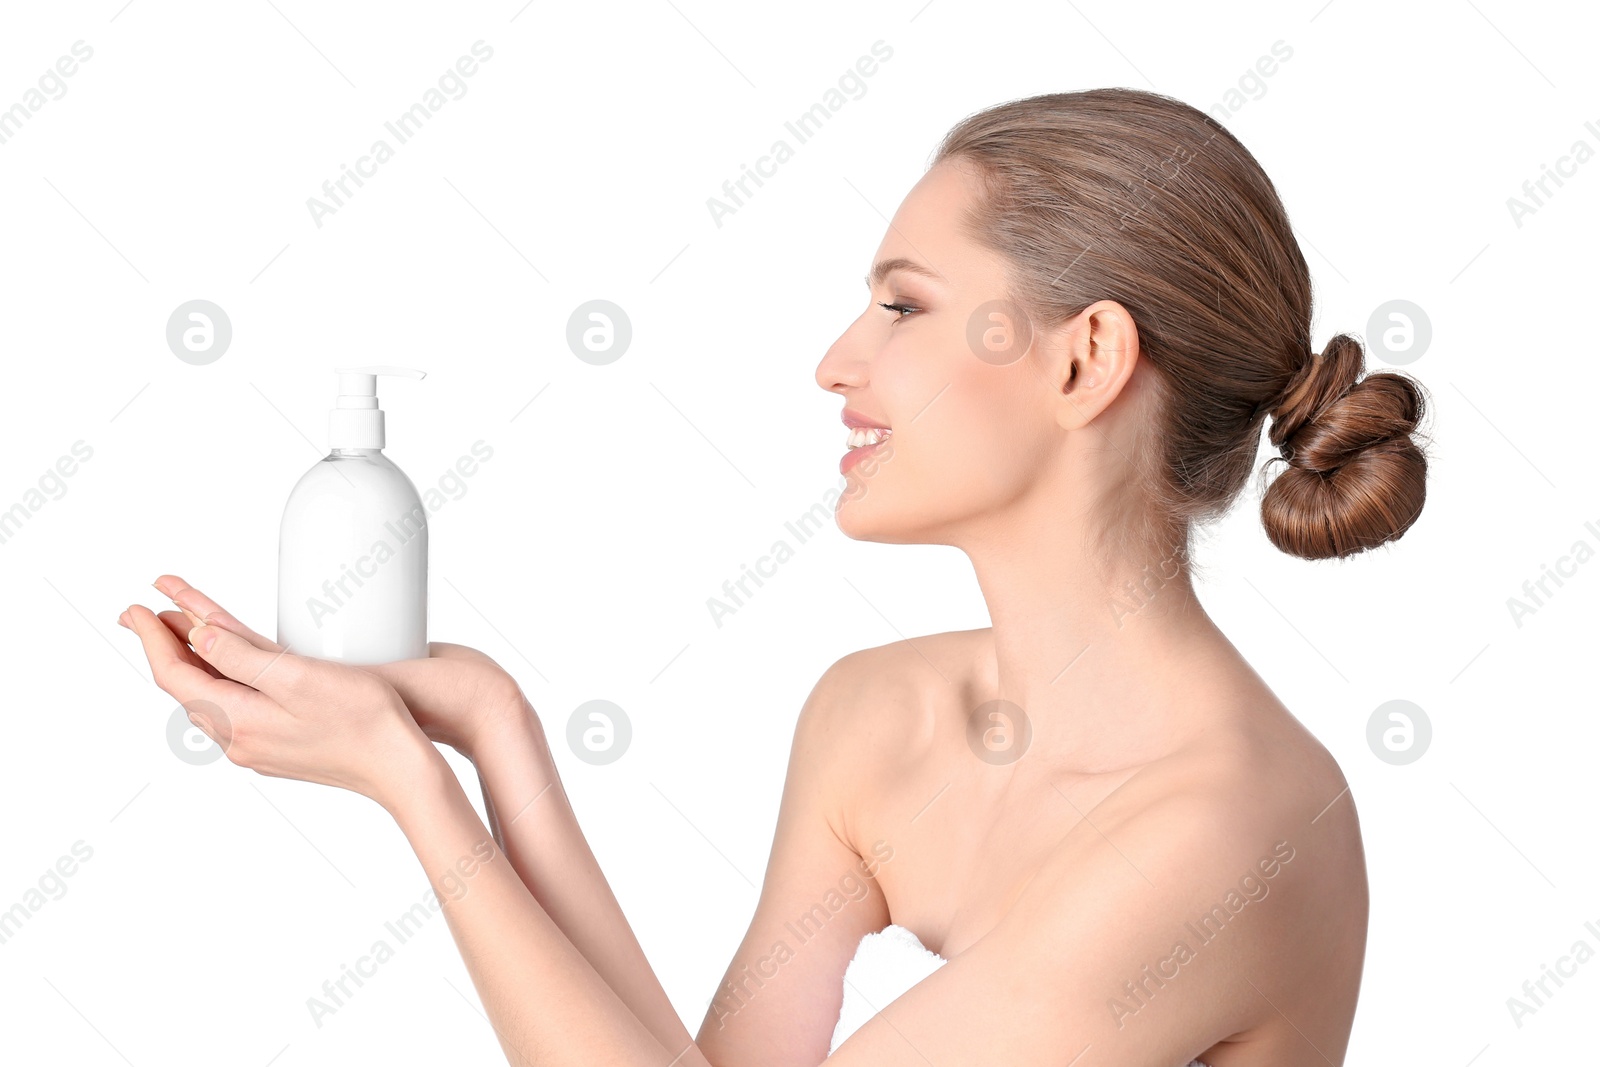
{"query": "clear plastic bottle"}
[(353, 545)]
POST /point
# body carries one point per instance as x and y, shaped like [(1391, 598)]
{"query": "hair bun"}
[(1355, 477)]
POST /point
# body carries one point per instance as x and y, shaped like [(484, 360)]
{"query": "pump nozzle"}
[(356, 421)]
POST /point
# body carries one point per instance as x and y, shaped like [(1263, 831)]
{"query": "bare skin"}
[(1162, 785), (975, 845)]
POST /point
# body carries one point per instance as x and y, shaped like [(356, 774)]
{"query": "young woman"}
[(1127, 851)]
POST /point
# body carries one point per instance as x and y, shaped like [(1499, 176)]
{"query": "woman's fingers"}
[(274, 673), (178, 622), (281, 714), (201, 609), (177, 675), (201, 694)]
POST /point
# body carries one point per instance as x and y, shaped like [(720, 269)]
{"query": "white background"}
[(577, 166)]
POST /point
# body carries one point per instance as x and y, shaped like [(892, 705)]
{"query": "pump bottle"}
[(353, 545)]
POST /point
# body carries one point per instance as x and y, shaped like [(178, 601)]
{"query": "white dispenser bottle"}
[(353, 546)]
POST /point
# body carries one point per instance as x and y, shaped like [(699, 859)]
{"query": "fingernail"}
[(122, 620), (207, 636)]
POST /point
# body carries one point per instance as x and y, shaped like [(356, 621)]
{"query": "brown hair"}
[(1131, 196)]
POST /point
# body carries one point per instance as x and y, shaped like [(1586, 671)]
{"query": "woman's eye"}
[(901, 310)]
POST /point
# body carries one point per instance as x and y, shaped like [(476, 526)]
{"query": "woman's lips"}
[(857, 421), (866, 436)]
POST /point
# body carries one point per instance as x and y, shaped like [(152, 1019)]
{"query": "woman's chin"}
[(863, 519), (856, 519)]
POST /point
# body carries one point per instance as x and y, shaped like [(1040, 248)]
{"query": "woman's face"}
[(951, 373)]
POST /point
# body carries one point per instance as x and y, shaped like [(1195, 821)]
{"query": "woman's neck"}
[(1097, 655)]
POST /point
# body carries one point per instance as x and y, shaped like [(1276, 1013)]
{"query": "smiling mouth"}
[(862, 436)]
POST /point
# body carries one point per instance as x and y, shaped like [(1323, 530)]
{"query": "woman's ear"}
[(1089, 360)]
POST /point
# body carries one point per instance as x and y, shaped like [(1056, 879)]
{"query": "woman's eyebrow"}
[(884, 267)]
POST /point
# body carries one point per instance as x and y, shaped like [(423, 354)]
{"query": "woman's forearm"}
[(538, 831), (548, 1005)]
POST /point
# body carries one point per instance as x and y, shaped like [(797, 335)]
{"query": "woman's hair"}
[(1124, 195)]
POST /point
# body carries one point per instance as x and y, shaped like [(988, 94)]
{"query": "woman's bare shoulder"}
[(943, 659), (875, 689), (1254, 807), (1260, 773), (878, 710)]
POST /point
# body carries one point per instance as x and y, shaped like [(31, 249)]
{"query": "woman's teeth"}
[(866, 436)]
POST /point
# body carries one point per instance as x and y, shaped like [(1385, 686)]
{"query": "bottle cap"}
[(356, 421)]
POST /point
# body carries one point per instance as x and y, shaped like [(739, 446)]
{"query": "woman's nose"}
[(843, 366)]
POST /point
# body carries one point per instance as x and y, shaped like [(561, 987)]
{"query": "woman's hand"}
[(458, 696), (277, 713), (461, 698)]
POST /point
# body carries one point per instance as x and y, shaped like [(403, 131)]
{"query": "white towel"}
[(886, 964)]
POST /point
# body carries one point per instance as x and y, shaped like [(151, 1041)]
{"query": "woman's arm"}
[(294, 717), (547, 1003), (779, 999), (1148, 935), (462, 698), (540, 836), (780, 996)]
